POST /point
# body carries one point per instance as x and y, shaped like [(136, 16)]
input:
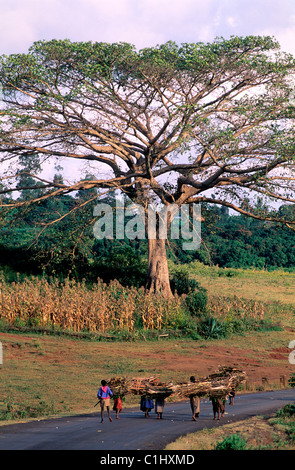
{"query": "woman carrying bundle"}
[(194, 402), (160, 402), (218, 407), (146, 405)]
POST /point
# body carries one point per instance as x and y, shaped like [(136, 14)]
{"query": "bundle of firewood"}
[(149, 386), (220, 383)]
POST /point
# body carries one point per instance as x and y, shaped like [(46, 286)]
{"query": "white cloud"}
[(231, 21)]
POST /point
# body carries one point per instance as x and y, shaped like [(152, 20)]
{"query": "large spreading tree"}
[(177, 124)]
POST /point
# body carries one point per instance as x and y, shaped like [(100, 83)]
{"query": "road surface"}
[(133, 431)]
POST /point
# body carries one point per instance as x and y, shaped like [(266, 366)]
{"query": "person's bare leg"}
[(109, 413)]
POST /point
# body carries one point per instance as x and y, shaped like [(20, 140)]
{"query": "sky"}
[(143, 23)]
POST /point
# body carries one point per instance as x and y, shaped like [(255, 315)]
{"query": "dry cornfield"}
[(75, 306), (102, 308), (225, 307)]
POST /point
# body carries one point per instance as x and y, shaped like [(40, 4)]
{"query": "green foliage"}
[(211, 328), (232, 442), (179, 320), (195, 295), (122, 263), (182, 283), (12, 410), (241, 242), (287, 411), (68, 249), (196, 301), (285, 421)]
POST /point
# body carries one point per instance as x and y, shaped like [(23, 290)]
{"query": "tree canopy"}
[(189, 123)]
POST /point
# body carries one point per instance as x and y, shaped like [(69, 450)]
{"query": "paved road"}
[(132, 431)]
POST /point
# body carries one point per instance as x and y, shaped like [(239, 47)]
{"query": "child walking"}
[(104, 395), (117, 406)]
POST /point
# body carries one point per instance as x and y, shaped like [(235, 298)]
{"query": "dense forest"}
[(55, 237)]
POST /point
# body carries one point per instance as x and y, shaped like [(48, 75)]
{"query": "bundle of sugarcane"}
[(218, 384)]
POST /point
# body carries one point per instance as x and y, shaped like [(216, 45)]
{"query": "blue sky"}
[(143, 22)]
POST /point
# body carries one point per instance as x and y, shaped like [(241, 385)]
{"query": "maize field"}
[(102, 307), (77, 307)]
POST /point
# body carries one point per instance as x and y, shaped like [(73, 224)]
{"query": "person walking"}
[(218, 407), (194, 402), (231, 397), (159, 406), (104, 395), (146, 405), (117, 406)]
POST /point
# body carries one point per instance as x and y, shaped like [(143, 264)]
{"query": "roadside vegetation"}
[(258, 433)]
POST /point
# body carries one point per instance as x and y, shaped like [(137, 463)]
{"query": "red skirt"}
[(117, 404)]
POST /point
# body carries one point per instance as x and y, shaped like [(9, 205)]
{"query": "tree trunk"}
[(158, 273)]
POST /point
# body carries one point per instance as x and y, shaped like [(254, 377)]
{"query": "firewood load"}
[(221, 383), (147, 386)]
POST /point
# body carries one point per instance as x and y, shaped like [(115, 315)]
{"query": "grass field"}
[(253, 284)]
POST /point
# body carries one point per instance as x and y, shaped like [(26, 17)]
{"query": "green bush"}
[(285, 419), (212, 328), (178, 320), (235, 326), (232, 442), (182, 284), (287, 411), (122, 263), (196, 302)]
